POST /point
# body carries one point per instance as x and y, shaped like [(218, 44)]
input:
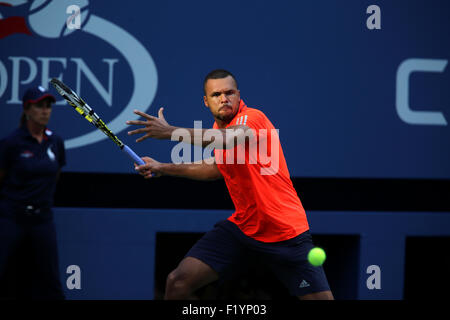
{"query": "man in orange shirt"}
[(269, 224)]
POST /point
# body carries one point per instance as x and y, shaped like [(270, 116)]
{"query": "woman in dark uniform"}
[(31, 158)]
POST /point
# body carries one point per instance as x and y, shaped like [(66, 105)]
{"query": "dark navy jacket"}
[(31, 168)]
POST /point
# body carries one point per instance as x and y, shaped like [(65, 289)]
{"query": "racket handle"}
[(134, 156)]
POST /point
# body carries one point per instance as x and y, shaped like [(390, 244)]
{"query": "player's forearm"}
[(195, 171), (197, 137)]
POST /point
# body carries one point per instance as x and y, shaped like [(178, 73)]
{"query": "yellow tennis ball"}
[(316, 256)]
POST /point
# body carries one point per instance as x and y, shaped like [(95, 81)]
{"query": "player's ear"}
[(205, 101)]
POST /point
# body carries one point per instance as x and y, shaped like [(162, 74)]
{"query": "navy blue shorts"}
[(227, 250)]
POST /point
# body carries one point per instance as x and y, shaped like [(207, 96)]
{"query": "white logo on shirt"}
[(50, 154), (27, 154), (241, 120)]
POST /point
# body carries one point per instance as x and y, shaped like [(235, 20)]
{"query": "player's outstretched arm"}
[(158, 128), (200, 170)]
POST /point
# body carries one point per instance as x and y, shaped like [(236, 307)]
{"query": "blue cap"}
[(36, 94)]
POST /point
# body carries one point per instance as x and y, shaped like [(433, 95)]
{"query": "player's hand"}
[(154, 127), (151, 168)]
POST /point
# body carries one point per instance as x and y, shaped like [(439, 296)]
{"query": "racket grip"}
[(133, 155)]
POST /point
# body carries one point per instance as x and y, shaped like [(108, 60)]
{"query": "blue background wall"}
[(327, 82)]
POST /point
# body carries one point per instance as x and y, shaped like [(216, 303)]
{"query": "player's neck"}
[(222, 123)]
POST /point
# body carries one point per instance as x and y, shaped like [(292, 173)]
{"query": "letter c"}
[(404, 71)]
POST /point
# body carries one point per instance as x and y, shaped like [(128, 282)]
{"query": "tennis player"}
[(269, 225)]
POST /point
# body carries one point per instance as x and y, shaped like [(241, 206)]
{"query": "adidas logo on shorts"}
[(304, 284)]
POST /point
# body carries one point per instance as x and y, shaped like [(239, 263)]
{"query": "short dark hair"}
[(218, 74)]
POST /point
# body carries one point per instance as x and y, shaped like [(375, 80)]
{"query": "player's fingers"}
[(148, 175), (145, 173), (143, 114), (141, 130), (145, 166), (143, 138), (140, 169), (137, 122), (160, 113)]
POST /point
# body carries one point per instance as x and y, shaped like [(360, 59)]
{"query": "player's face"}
[(222, 98), (40, 112)]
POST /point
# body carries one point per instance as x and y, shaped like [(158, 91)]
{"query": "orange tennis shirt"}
[(268, 208)]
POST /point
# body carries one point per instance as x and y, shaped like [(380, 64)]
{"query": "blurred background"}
[(359, 91)]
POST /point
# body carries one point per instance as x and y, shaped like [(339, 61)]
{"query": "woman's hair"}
[(23, 116)]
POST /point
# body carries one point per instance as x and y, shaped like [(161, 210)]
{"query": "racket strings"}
[(85, 110)]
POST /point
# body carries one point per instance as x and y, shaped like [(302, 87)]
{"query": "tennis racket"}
[(83, 109)]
